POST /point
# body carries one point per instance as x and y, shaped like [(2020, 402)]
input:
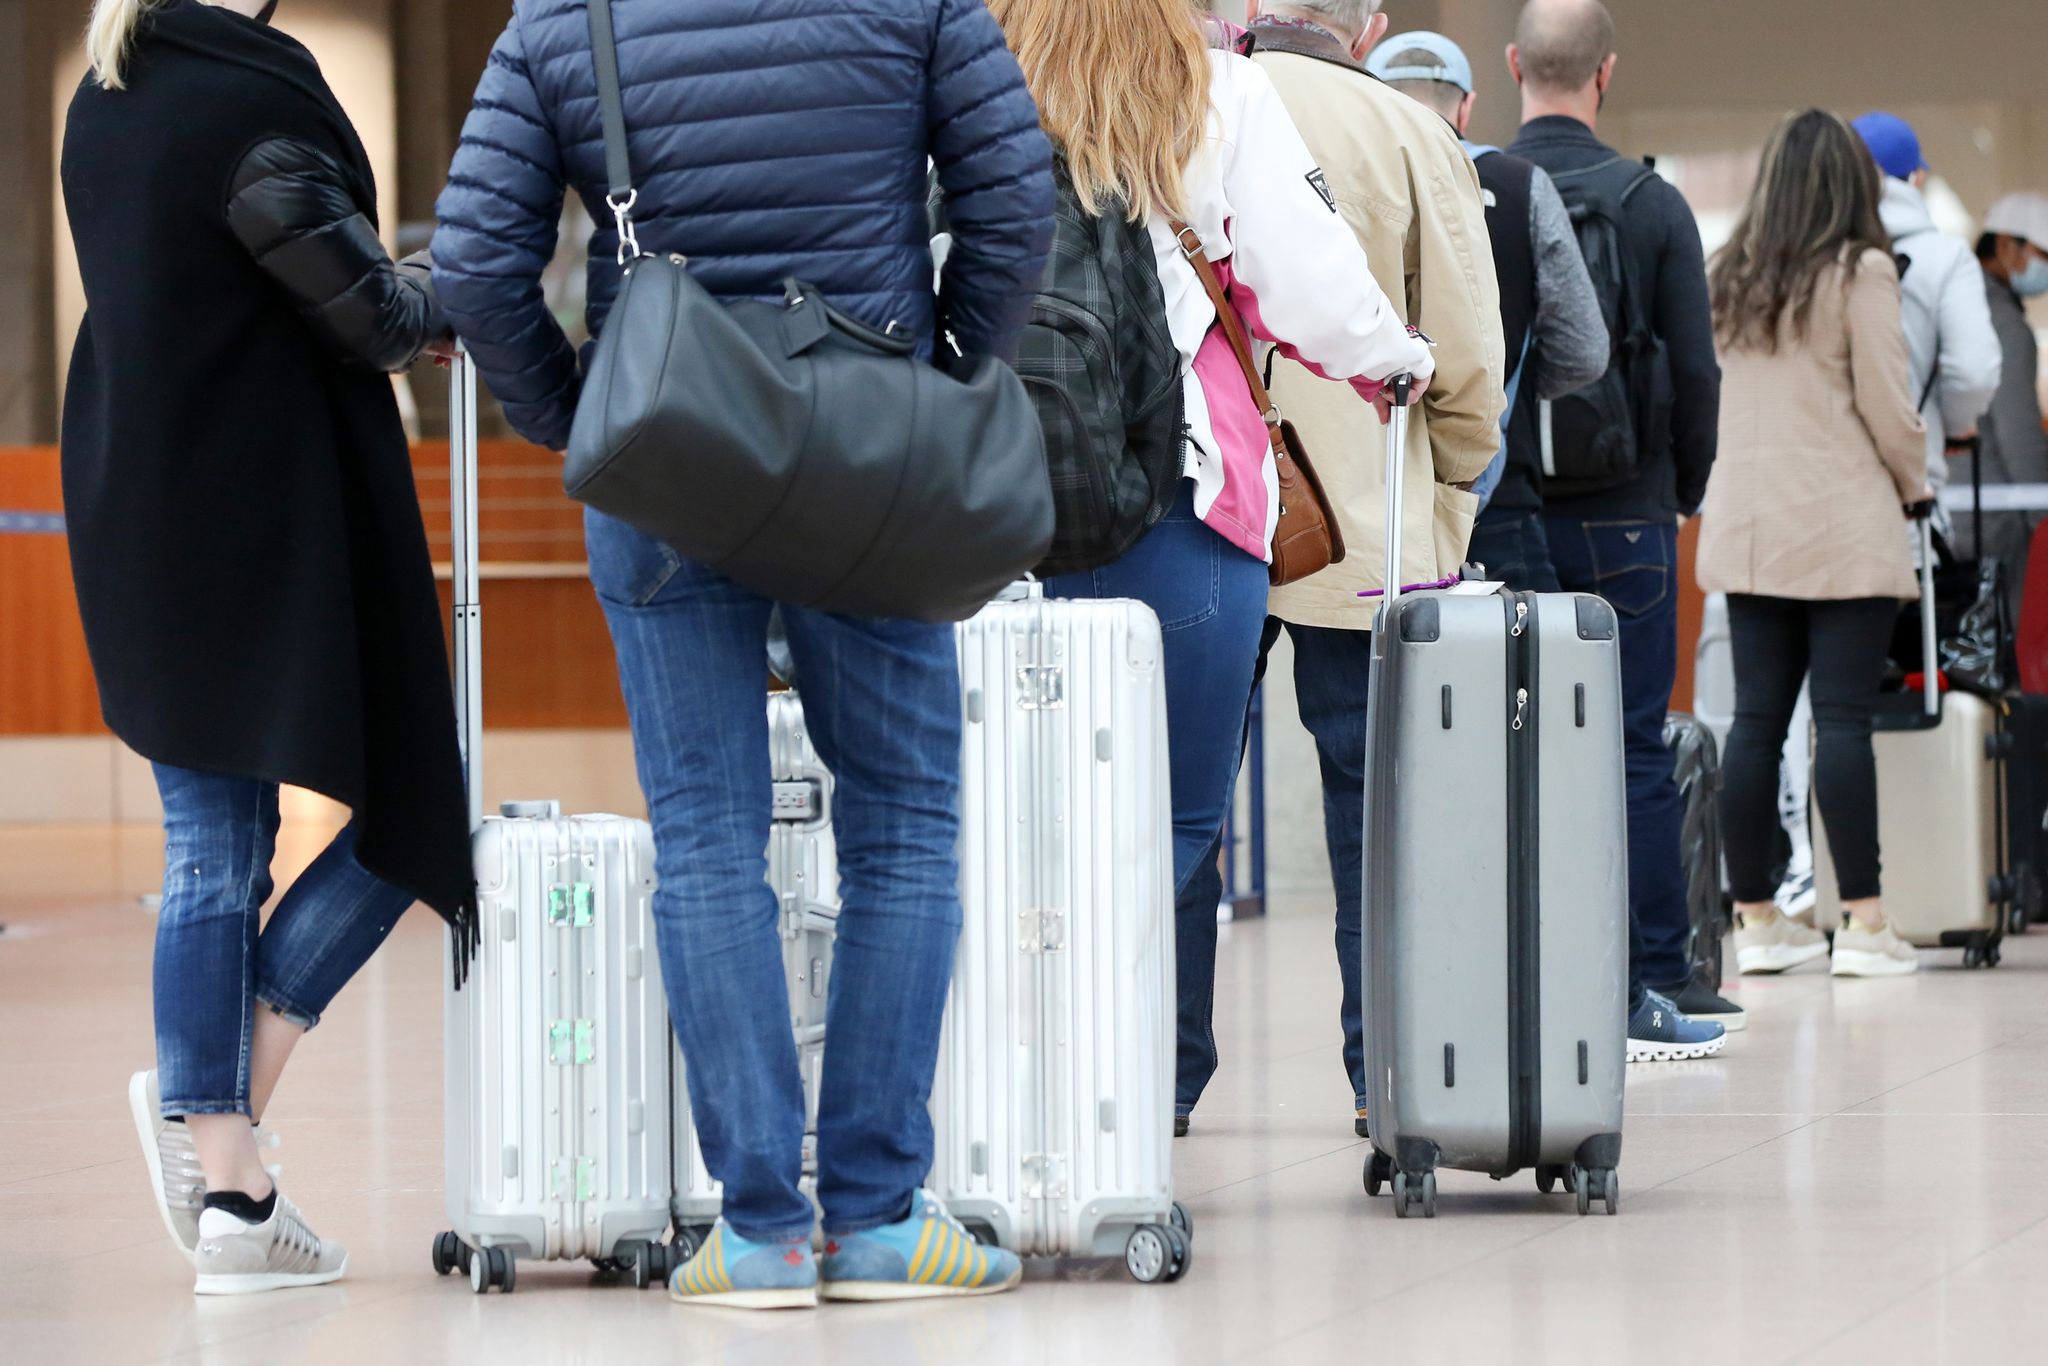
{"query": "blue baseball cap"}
[(1892, 142), (1421, 57)]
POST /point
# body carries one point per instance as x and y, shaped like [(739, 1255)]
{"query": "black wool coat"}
[(245, 536)]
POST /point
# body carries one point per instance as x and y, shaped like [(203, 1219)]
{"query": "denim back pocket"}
[(1632, 562), (627, 567)]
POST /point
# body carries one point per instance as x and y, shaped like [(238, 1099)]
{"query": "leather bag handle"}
[(1226, 314), (620, 196)]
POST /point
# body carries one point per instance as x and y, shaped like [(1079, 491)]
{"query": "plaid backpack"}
[(1102, 369)]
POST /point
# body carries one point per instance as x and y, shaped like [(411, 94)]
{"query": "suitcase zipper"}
[(1524, 871)]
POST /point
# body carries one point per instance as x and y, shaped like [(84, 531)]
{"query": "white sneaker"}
[(1776, 945), (280, 1253), (1798, 895), (1860, 952)]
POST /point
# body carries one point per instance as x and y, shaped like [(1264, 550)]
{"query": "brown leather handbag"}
[(1307, 539)]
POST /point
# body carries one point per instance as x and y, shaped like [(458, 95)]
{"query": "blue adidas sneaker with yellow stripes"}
[(928, 1254), (731, 1271)]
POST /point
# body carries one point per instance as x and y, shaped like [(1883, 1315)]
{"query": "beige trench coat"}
[(1821, 447), (1406, 188)]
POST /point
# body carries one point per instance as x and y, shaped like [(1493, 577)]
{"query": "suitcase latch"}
[(572, 904), (1041, 687), (1041, 931), (571, 1043), (1045, 1177), (800, 800)]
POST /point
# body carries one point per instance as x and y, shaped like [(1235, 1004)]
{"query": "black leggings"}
[(1775, 641)]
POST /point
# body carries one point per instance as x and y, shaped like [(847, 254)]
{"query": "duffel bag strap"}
[(618, 171)]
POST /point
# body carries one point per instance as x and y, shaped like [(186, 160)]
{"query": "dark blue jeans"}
[(1331, 671), (882, 703), (1633, 563), (1211, 601), (214, 967), (1515, 550)]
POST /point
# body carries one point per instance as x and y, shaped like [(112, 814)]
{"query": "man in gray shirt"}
[(1557, 341)]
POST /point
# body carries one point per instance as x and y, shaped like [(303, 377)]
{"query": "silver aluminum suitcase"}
[(1940, 812), (1496, 906), (1053, 1101), (803, 871), (556, 1046)]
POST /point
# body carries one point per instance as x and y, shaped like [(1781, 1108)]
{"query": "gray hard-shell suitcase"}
[(555, 1049), (1496, 905), (803, 870)]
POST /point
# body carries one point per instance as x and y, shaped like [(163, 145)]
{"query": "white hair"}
[(1348, 17)]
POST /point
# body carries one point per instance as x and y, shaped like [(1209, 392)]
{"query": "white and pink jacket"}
[(1299, 279)]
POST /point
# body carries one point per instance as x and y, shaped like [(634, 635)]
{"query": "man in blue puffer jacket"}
[(768, 139)]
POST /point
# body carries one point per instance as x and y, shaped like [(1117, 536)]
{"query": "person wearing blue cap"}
[(1950, 341)]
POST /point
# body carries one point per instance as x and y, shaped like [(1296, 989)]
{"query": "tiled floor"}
[(1863, 1178)]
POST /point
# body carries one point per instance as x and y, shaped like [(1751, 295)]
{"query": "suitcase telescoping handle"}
[(1922, 514), (1397, 470), (467, 612)]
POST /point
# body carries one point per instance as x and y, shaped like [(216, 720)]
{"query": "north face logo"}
[(1322, 187)]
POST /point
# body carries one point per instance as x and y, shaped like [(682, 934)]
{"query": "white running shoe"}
[(280, 1253), (1861, 952), (1798, 895), (1777, 945)]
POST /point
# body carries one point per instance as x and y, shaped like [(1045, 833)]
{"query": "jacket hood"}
[(1904, 210)]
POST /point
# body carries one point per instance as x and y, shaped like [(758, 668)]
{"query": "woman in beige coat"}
[(1821, 450)]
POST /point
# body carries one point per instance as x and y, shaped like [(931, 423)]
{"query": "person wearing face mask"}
[(2013, 252), (252, 573)]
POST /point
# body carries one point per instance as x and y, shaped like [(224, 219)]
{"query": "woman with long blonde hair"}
[(252, 573), (1144, 114)]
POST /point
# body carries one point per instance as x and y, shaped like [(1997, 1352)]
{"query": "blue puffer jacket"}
[(768, 138)]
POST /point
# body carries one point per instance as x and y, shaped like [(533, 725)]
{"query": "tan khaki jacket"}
[(1820, 451), (1406, 188)]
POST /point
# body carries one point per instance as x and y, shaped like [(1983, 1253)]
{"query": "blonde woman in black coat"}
[(252, 573)]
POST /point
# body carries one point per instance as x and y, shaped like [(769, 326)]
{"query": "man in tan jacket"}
[(1397, 174)]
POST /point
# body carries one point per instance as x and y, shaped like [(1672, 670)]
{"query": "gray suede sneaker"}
[(173, 1167), (280, 1253)]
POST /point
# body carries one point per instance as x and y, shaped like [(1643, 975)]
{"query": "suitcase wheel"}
[(1379, 1170), (1982, 955), (450, 1253), (1157, 1252), (1182, 1220), (1549, 1174), (1414, 1192), (492, 1266), (1602, 1184)]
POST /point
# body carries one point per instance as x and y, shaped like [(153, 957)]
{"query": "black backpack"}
[(1101, 368), (1596, 437)]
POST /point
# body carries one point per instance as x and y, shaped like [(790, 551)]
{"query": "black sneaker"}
[(1698, 1001), (1180, 1126), (1358, 1125)]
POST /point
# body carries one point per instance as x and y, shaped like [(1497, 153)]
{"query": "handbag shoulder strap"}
[(1226, 314), (611, 108)]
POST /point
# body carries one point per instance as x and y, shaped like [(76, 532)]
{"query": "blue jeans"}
[(1331, 672), (1211, 601), (882, 703), (215, 966), (1515, 550), (1633, 564)]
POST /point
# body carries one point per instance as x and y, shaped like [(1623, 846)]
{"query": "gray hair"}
[(1444, 96), (1563, 43), (1347, 17)]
